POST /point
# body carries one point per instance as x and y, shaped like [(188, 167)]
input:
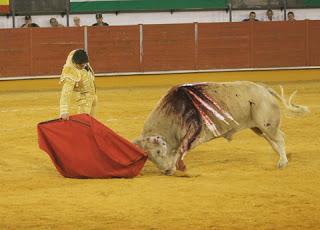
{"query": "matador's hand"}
[(65, 116)]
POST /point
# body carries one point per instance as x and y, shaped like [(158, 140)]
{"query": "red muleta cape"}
[(82, 147)]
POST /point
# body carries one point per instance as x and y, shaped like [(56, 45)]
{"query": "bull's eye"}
[(158, 152)]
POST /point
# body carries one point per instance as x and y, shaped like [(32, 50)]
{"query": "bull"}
[(192, 114)]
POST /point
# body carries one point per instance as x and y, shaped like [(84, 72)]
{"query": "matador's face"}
[(80, 66)]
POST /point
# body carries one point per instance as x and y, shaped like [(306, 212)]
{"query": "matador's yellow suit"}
[(80, 81)]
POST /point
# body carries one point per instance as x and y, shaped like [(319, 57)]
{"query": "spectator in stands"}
[(54, 23), (291, 16), (77, 76), (269, 14), (252, 17), (76, 21), (99, 19), (28, 22)]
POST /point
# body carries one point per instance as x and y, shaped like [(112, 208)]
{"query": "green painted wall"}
[(312, 3), (147, 5)]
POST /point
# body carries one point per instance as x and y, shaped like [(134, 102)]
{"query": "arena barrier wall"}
[(172, 47), (114, 49), (34, 52), (168, 47)]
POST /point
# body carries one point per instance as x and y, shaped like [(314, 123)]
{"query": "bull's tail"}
[(293, 109)]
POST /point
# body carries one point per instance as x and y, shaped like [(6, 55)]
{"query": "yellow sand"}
[(232, 185)]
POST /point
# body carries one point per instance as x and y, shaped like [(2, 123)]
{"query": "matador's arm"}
[(69, 78), (66, 92)]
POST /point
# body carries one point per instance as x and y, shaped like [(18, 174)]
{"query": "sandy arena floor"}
[(232, 185)]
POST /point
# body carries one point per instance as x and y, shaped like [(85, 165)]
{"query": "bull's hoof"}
[(181, 166), (282, 164)]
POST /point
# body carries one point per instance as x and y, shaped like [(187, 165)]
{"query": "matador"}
[(77, 76)]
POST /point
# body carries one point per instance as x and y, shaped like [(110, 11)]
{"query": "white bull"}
[(191, 114)]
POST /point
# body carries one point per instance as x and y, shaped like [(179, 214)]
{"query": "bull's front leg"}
[(278, 144), (180, 164)]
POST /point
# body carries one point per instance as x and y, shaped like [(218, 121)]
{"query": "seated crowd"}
[(54, 22), (99, 17), (269, 15)]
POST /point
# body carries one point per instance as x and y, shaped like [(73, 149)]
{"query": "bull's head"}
[(159, 153)]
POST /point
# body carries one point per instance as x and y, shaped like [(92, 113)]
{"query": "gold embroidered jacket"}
[(81, 82)]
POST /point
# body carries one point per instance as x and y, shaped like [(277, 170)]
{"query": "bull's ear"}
[(137, 142)]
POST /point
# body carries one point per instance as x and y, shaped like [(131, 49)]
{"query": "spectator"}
[(99, 19), (28, 22), (269, 14), (252, 17), (54, 23), (76, 21), (291, 16)]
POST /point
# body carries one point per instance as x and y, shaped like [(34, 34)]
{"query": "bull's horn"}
[(137, 142)]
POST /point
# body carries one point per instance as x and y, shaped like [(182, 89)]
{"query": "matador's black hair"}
[(80, 57)]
